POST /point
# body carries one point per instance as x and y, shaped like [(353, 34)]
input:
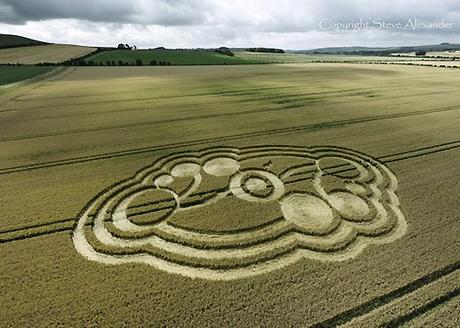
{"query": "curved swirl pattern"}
[(227, 213)]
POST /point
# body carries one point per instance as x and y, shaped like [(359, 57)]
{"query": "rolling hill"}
[(12, 41), (381, 50), (49, 53)]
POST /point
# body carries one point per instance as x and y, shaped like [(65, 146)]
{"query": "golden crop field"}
[(231, 196), (439, 54), (290, 57), (50, 53), (448, 54)]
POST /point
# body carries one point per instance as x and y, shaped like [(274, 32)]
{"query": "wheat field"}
[(286, 195)]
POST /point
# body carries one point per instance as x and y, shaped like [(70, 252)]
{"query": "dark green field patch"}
[(13, 74)]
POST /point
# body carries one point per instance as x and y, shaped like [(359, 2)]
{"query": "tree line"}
[(125, 46), (225, 51), (82, 62), (268, 50)]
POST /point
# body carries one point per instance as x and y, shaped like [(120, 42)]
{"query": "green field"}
[(290, 195), (175, 57), (13, 74)]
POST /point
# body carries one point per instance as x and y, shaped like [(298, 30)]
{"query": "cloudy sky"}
[(289, 24)]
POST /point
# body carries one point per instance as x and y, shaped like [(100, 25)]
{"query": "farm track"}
[(309, 127), (423, 309), (67, 224)]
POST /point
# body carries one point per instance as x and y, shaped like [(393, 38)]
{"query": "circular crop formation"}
[(318, 203)]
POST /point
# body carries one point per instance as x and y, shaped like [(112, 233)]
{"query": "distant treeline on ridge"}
[(268, 50)]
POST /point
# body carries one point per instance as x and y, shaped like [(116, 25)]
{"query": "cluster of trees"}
[(224, 51), (80, 61), (160, 63), (268, 50), (126, 46), (11, 64), (46, 64)]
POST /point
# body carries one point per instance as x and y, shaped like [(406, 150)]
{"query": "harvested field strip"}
[(67, 224), (367, 307), (294, 129)]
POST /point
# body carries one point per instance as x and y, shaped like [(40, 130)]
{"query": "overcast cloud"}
[(291, 24)]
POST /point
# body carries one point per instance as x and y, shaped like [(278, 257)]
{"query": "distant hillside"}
[(379, 51), (13, 41), (48, 53)]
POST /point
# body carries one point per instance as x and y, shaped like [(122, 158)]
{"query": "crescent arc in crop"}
[(227, 213)]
